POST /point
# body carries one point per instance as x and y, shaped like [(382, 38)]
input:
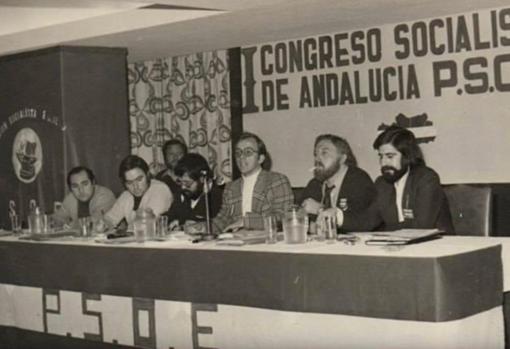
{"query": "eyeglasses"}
[(186, 184), (246, 152)]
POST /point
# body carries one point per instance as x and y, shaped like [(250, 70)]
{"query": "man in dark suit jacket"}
[(409, 194), (258, 192), (173, 151), (195, 177), (338, 182)]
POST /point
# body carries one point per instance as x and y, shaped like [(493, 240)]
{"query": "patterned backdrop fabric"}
[(186, 98)]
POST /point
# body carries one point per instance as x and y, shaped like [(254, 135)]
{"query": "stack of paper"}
[(242, 237), (403, 237)]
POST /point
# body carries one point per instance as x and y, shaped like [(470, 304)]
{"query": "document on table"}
[(403, 237), (242, 237)]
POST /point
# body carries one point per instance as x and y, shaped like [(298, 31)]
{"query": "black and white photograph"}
[(233, 174)]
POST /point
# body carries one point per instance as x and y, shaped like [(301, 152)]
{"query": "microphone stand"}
[(208, 231)]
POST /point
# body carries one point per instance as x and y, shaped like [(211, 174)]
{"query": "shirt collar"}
[(253, 175), (402, 180), (337, 178)]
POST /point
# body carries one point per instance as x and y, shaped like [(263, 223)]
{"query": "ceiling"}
[(166, 28)]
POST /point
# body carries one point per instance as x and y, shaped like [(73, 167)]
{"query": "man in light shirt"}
[(409, 194), (141, 192), (258, 192), (86, 198)]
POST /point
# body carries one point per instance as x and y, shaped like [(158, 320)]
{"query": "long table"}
[(445, 293)]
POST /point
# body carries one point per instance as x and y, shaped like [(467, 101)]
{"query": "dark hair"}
[(79, 169), (174, 141), (342, 145), (261, 147), (130, 162), (404, 141), (194, 165)]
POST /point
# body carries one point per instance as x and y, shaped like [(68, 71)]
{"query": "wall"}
[(61, 107), (447, 79)]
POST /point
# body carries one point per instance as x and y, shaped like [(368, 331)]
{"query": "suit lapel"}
[(345, 184), (390, 207), (237, 191), (258, 196), (199, 209), (408, 190)]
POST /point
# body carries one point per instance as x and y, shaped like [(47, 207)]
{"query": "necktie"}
[(326, 199), (393, 210)]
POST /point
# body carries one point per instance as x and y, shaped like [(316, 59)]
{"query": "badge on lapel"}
[(408, 213), (343, 204)]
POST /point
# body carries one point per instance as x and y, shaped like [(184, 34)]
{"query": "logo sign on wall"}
[(423, 129), (446, 79), (31, 140), (27, 155)]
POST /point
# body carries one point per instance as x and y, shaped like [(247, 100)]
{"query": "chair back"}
[(471, 208), (298, 194)]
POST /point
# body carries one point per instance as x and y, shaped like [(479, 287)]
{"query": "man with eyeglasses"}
[(141, 192), (258, 192), (338, 182), (195, 176)]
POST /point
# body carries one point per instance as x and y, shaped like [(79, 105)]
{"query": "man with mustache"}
[(86, 198), (338, 183), (409, 194), (173, 151), (189, 207)]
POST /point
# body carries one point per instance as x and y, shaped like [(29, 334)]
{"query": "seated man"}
[(256, 193), (338, 181), (173, 151), (189, 207), (141, 192), (86, 198), (409, 194)]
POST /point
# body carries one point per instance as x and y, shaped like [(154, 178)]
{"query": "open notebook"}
[(403, 237)]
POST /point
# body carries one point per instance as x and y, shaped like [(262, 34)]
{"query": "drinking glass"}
[(46, 224), (140, 231), (161, 226), (15, 224), (270, 226), (86, 226), (328, 227)]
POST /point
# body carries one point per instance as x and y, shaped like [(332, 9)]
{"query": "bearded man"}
[(409, 194), (338, 183), (194, 174), (173, 151)]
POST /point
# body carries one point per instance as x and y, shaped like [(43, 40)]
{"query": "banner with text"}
[(447, 79)]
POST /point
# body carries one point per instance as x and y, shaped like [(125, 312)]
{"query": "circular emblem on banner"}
[(27, 155)]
